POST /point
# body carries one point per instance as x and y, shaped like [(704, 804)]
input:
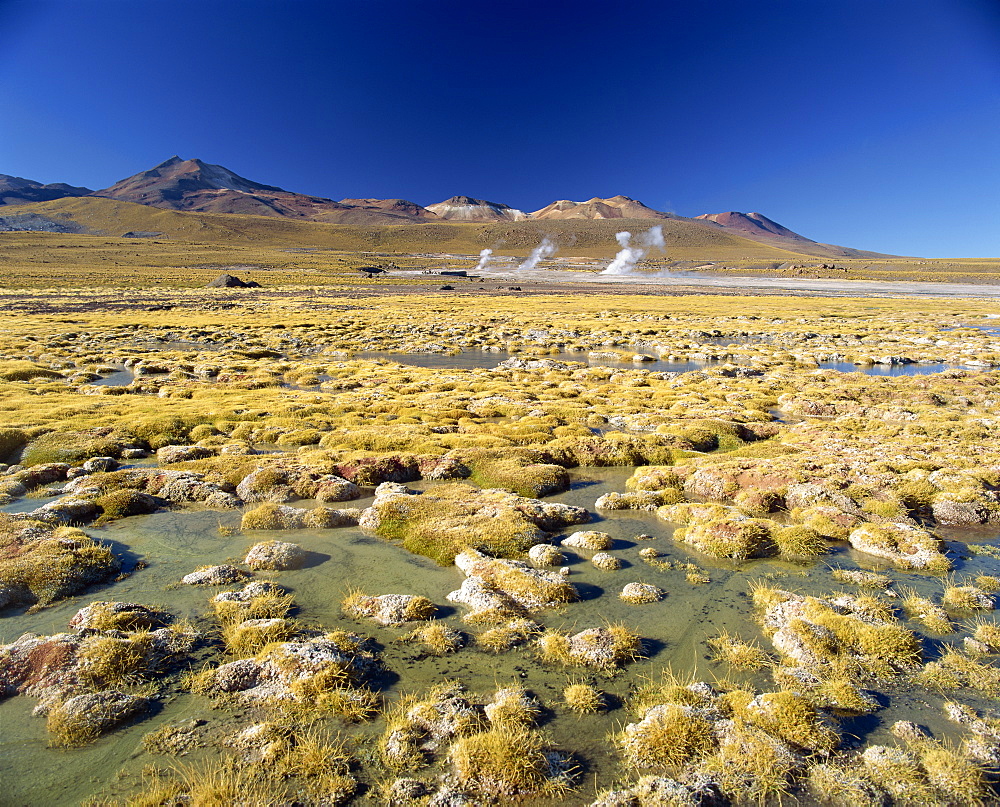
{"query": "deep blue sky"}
[(867, 123)]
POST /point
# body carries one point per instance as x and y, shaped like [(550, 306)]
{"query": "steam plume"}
[(484, 259), (546, 249), (631, 253)]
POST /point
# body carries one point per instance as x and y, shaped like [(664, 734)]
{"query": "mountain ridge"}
[(195, 186), (18, 190)]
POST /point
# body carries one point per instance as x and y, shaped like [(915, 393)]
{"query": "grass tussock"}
[(40, 564), (730, 649), (507, 761), (582, 698)]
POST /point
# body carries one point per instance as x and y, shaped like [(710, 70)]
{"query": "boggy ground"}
[(816, 551)]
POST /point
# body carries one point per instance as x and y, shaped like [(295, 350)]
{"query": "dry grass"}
[(730, 649)]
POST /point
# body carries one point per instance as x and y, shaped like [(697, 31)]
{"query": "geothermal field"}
[(559, 543)]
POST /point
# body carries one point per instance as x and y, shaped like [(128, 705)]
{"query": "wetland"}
[(461, 549)]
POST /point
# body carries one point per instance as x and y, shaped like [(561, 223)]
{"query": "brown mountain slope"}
[(193, 185), (750, 223), (199, 187), (403, 208), (19, 191), (686, 239), (617, 207), (760, 228)]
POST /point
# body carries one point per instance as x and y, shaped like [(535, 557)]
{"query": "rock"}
[(83, 718), (975, 646), (511, 703), (606, 562), (182, 487), (67, 510), (588, 539), (515, 363), (391, 609), (952, 513), (793, 622), (545, 555), (601, 648), (648, 500), (121, 616), (658, 790), (265, 485), (808, 494), (797, 642), (550, 516), (406, 791), (273, 675), (496, 584), (44, 474), (443, 468), (167, 455), (732, 536), (227, 281), (249, 592), (372, 471), (442, 521), (282, 517), (40, 666), (237, 676), (909, 732), (639, 593), (238, 449), (906, 546), (332, 488), (276, 556), (100, 464), (223, 575)]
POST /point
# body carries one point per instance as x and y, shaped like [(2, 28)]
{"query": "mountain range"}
[(199, 187)]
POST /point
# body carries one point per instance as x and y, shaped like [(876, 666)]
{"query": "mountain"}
[(465, 208), (617, 207), (755, 224), (19, 191), (687, 240), (195, 186), (410, 211), (760, 228)]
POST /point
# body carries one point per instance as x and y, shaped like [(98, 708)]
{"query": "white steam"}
[(546, 249), (484, 259), (631, 253)]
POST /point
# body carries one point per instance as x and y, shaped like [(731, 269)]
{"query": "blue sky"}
[(869, 124)]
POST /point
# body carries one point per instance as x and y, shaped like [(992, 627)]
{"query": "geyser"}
[(631, 253), (546, 249)]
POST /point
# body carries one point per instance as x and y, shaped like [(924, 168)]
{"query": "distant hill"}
[(19, 191), (687, 239), (465, 208), (760, 228), (617, 207), (193, 186), (405, 210), (750, 223)]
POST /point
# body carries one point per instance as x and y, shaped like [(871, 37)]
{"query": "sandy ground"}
[(726, 284), (491, 283)]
